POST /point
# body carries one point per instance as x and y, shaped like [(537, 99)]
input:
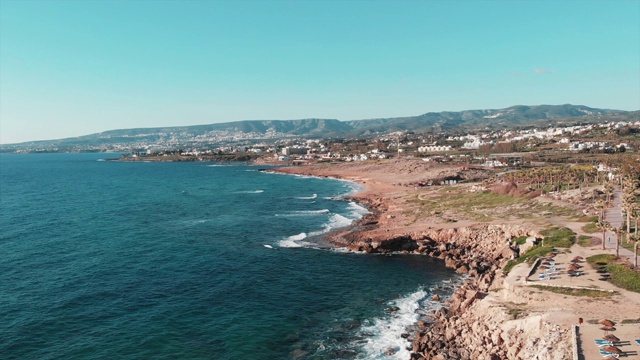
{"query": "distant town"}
[(514, 136), (482, 148)]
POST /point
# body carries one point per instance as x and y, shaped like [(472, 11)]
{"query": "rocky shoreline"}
[(479, 252), (469, 325)]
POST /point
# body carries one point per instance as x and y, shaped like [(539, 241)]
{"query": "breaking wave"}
[(305, 213), (307, 197), (293, 241)]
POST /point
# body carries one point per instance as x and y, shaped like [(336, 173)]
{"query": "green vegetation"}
[(601, 259), (529, 257), (521, 240), (558, 237), (515, 309), (575, 292), (627, 245), (483, 206), (553, 238), (624, 277), (590, 228), (515, 312), (584, 240), (621, 275)]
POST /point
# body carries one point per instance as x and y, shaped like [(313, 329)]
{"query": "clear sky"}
[(71, 68)]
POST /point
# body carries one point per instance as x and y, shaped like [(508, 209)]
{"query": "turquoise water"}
[(193, 261)]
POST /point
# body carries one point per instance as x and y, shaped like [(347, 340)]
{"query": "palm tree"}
[(636, 215), (600, 206), (619, 233), (604, 226), (635, 253), (608, 190)]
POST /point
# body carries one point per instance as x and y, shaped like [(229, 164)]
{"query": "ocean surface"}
[(116, 260)]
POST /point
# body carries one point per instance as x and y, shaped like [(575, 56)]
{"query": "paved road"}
[(614, 217)]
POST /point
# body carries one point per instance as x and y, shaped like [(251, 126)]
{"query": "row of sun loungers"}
[(608, 346), (549, 267)]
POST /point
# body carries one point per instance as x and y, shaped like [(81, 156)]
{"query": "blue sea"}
[(120, 260)]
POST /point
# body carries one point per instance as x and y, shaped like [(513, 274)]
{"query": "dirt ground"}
[(393, 188)]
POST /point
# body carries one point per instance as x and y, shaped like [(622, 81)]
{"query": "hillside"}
[(250, 130)]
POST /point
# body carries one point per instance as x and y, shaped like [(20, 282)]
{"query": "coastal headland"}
[(478, 223)]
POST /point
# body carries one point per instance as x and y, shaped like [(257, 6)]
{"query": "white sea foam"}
[(195, 222), (336, 221), (357, 211), (307, 197), (305, 213), (250, 192), (384, 333), (294, 241)]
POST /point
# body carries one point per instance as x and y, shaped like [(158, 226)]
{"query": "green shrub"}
[(584, 240), (558, 237), (575, 292), (529, 257), (621, 275), (521, 240), (624, 277), (590, 228), (596, 260)]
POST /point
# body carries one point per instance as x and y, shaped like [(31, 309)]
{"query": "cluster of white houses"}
[(434, 148)]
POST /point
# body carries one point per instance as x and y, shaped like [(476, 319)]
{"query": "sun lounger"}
[(606, 353), (611, 355), (602, 343)]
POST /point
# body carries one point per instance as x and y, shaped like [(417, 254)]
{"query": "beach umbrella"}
[(612, 349), (579, 257), (606, 322), (607, 328), (611, 337)]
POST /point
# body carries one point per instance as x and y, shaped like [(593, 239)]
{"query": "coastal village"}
[(542, 224), (470, 148)]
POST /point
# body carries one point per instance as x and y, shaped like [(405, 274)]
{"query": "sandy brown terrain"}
[(517, 320)]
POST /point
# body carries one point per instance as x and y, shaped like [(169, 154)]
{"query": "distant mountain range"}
[(446, 121)]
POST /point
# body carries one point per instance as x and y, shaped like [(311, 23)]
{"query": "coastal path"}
[(613, 216)]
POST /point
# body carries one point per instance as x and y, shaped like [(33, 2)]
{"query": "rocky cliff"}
[(476, 323)]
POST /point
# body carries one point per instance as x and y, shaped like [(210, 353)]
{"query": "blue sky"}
[(71, 68)]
